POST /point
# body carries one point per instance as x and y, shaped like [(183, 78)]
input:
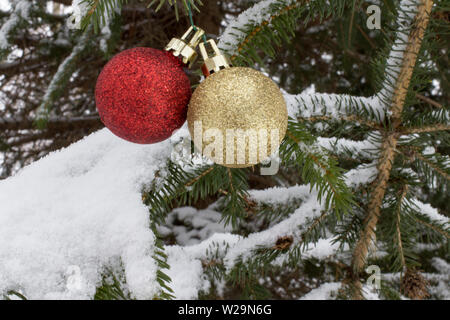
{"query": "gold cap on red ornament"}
[(185, 47)]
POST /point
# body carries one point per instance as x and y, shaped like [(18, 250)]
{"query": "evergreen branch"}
[(353, 150), (230, 179), (173, 3), (160, 257), (317, 169), (349, 118), (19, 16), (55, 124), (197, 178), (432, 227), (409, 60), (264, 23), (384, 167), (366, 37), (247, 266), (397, 225), (235, 200), (112, 286), (389, 143), (99, 12), (270, 25), (432, 165), (429, 101), (182, 187), (347, 230), (262, 27), (367, 110), (313, 225), (178, 185), (424, 129), (60, 79)]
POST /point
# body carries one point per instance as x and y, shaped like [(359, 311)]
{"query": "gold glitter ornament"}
[(237, 116)]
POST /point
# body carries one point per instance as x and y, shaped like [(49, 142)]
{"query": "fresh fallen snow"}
[(61, 73), (407, 10), (364, 149), (280, 195), (430, 212), (186, 270), (259, 12), (66, 217), (191, 226), (80, 8), (21, 11), (80, 207), (323, 249), (363, 174), (308, 210), (334, 106), (324, 292), (185, 262), (330, 290)]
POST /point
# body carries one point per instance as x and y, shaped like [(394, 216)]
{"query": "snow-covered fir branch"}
[(20, 12)]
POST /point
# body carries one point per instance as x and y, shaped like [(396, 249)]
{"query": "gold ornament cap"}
[(185, 47), (214, 63)]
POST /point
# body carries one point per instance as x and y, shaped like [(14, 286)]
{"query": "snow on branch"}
[(280, 195), (335, 106), (301, 105), (185, 260), (62, 76), (307, 211), (234, 34), (330, 290), (430, 212), (80, 9), (20, 12), (361, 175), (406, 12), (323, 292), (80, 208), (306, 105), (233, 248), (365, 149)]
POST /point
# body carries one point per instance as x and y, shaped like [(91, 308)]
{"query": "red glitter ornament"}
[(142, 95)]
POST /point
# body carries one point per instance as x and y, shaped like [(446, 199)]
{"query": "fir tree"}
[(364, 171)]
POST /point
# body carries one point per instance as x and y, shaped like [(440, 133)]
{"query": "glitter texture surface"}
[(238, 99), (142, 95)]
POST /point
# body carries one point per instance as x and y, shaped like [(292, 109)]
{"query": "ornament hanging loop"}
[(214, 63), (186, 45)]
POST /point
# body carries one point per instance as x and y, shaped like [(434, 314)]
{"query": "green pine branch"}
[(317, 168)]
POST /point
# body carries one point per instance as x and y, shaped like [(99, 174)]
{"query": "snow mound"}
[(323, 292), (190, 226), (66, 217)]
